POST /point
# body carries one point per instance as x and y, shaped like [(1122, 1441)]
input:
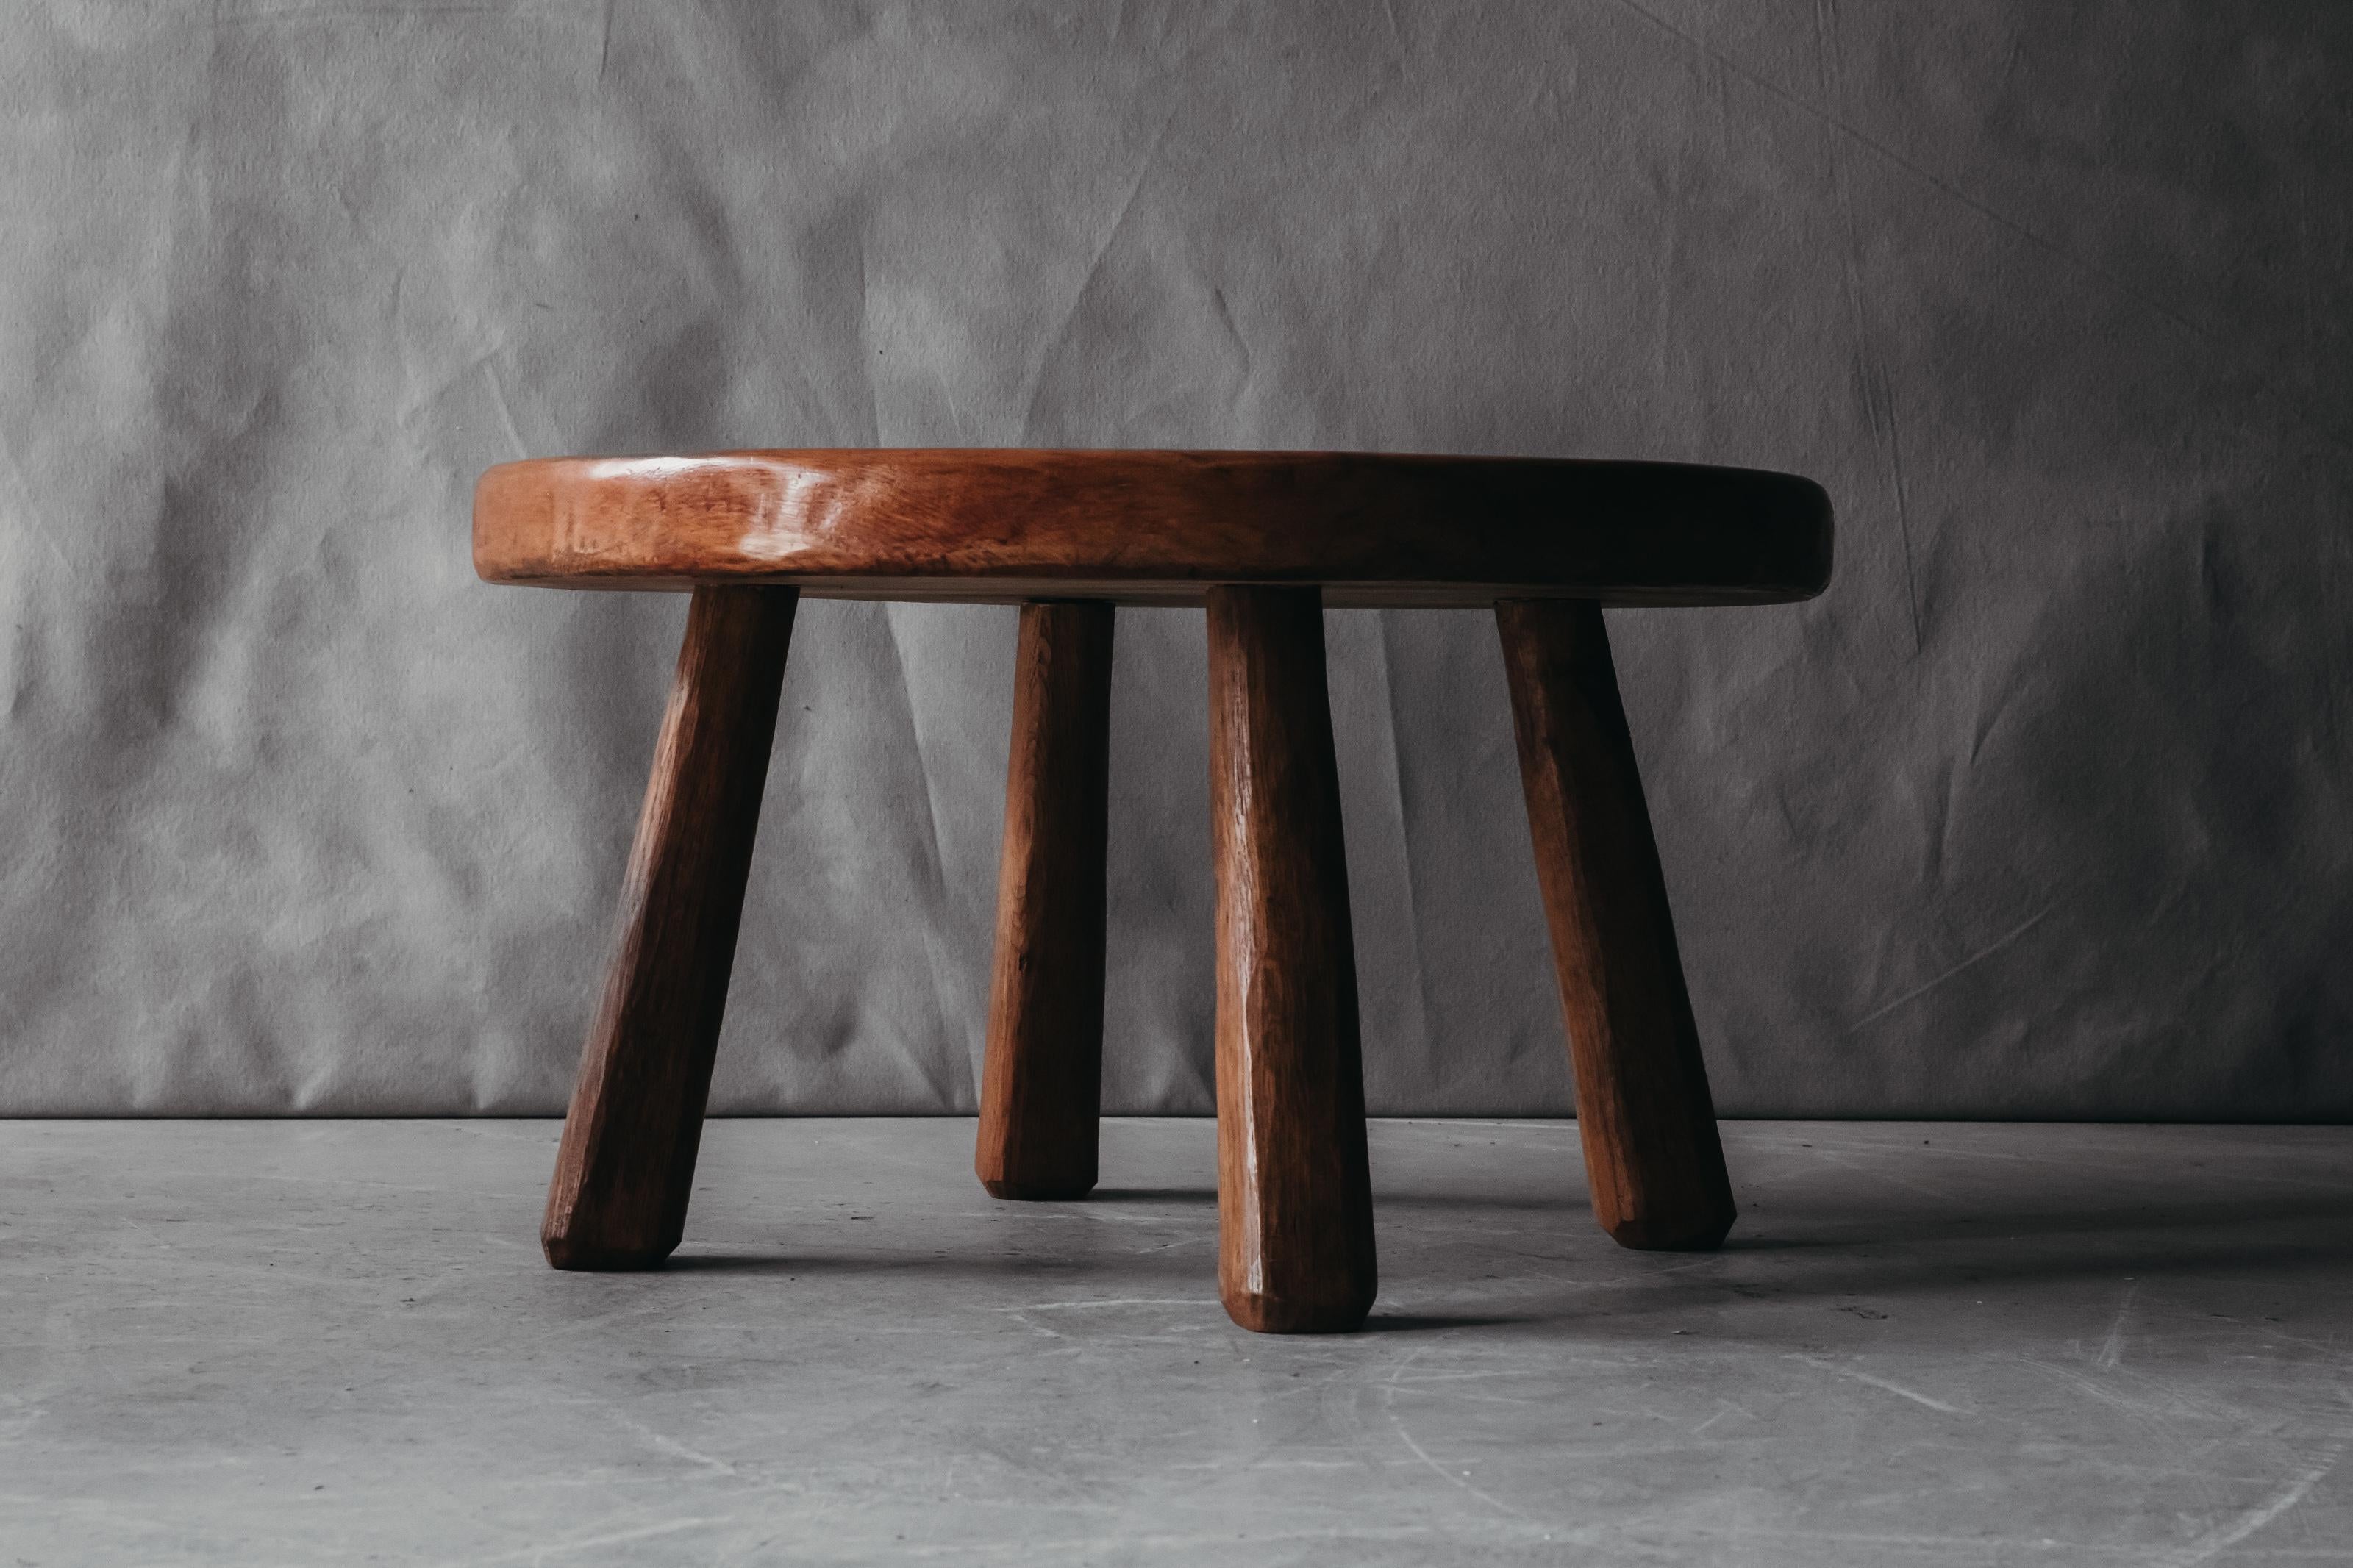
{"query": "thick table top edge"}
[(1008, 525)]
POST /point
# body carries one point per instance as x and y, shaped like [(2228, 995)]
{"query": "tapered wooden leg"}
[(1041, 1084), (627, 1165), (1295, 1193), (1643, 1111)]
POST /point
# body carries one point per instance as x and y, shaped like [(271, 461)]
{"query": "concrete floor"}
[(334, 1342)]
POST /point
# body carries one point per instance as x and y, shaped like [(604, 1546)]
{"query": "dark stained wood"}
[(1295, 1192), (1041, 1087), (627, 1165), (1158, 527), (1643, 1109), (1264, 540)]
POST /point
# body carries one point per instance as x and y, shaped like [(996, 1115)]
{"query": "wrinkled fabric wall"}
[(2042, 810)]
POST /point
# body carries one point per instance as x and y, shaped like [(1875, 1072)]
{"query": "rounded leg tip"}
[(1289, 1315), (1050, 1190), (1704, 1235), (571, 1256)]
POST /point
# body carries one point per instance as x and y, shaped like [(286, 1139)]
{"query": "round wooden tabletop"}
[(1003, 525)]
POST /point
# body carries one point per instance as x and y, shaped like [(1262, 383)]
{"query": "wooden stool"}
[(1265, 541)]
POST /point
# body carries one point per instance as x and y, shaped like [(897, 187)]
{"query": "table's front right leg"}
[(1294, 1191)]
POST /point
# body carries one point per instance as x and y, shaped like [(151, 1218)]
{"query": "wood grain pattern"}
[(1042, 1082), (1000, 526), (1643, 1113), (1294, 1191), (626, 1163)]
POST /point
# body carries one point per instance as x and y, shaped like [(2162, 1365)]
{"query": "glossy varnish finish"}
[(626, 1163), (1264, 541), (1294, 1197), (1158, 527), (1042, 1086), (1643, 1109)]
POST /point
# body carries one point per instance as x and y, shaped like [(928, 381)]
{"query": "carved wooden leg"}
[(627, 1165), (1041, 1084), (1643, 1111), (1294, 1195)]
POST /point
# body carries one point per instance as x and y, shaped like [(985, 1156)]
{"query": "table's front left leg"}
[(627, 1165)]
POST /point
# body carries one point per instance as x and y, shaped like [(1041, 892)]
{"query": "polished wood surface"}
[(1643, 1111), (626, 1163), (1158, 527), (1295, 1193), (1265, 541), (1041, 1084)]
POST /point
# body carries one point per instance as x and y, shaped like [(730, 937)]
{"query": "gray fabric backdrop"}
[(2042, 810)]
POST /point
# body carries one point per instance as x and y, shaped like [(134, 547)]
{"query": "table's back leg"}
[(627, 1165), (1294, 1195), (1041, 1081), (1644, 1114)]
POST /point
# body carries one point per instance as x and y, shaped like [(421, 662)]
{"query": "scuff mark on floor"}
[(2222, 1537), (2112, 1349), (1859, 1375), (1461, 1479)]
